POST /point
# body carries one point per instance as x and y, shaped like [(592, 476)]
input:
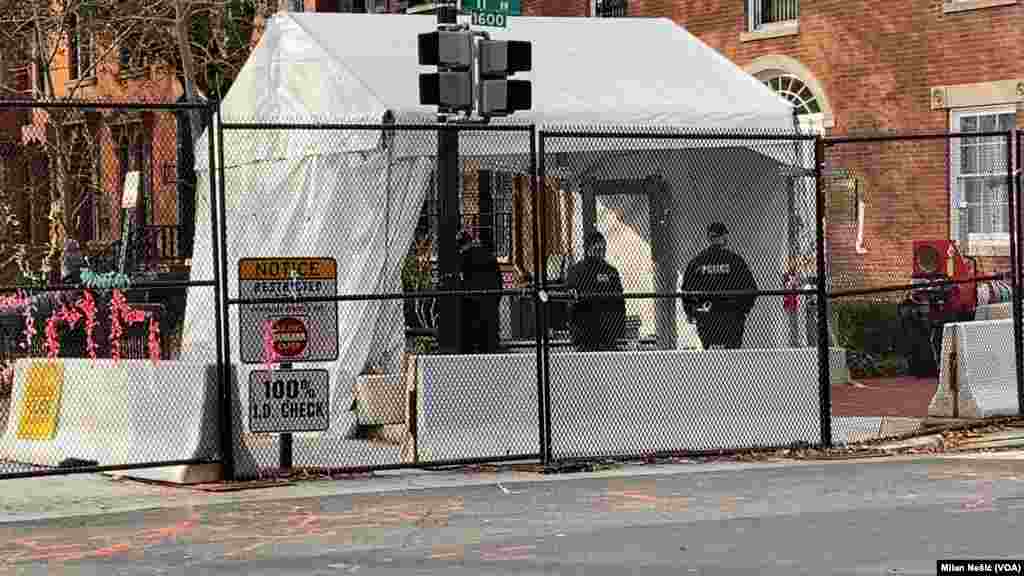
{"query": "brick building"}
[(862, 67)]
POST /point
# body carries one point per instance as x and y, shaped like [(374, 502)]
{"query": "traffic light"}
[(496, 61), (451, 87)]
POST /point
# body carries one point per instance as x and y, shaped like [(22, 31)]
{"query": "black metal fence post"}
[(537, 175), (224, 410), (1018, 346), (540, 309), (220, 236), (1015, 183), (824, 372)]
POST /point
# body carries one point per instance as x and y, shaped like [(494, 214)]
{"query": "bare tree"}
[(202, 43)]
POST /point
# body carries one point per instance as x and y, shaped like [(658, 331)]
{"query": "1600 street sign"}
[(491, 19), (289, 401), (289, 332)]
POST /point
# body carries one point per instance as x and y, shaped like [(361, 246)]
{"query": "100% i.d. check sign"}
[(289, 401)]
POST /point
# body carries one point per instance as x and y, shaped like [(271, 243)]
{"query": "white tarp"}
[(342, 194)]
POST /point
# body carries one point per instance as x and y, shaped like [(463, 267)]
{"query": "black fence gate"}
[(98, 202), (677, 326), (923, 235), (406, 263)]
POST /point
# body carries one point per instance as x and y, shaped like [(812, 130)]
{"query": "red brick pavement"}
[(901, 396)]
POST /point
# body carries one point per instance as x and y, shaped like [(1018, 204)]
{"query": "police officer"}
[(595, 323), (720, 319), (479, 320)]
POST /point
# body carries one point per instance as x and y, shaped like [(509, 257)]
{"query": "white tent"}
[(343, 194)]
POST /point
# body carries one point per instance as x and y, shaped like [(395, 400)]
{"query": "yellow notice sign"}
[(287, 268), (40, 406)]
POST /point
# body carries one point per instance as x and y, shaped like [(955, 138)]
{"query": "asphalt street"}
[(878, 517)]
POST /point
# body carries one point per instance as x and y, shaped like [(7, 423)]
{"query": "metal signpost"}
[(283, 400)]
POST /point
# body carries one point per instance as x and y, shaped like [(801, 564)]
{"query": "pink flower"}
[(52, 342), (121, 312), (116, 301), (88, 306), (30, 325), (154, 340)]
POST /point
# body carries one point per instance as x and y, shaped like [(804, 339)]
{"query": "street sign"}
[(282, 401), (290, 332), (491, 13), (506, 7), (489, 19)]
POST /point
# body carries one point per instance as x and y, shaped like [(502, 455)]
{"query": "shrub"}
[(872, 333)]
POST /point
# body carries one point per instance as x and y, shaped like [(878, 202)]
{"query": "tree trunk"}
[(181, 13)]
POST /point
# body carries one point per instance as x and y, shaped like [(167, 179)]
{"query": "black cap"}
[(717, 229)]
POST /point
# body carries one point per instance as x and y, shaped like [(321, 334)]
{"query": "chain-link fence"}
[(413, 342), (383, 295), (921, 242), (679, 269), (98, 204)]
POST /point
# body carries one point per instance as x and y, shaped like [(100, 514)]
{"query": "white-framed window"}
[(804, 100), (609, 8), (767, 14), (979, 191)]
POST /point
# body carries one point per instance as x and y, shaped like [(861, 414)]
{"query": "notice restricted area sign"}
[(289, 401), (293, 331), (40, 404)]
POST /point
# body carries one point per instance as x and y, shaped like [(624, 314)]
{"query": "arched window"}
[(796, 91)]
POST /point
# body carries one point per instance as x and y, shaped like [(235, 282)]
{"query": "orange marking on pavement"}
[(168, 531), (636, 496), (35, 546), (442, 554), (110, 550)]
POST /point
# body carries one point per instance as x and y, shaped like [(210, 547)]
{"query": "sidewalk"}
[(89, 494), (903, 396)]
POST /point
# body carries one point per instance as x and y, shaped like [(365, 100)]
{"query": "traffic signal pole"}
[(449, 217), (453, 50)]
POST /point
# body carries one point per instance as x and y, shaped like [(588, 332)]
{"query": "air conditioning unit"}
[(936, 260)]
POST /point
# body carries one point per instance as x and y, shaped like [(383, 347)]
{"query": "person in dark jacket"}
[(479, 320), (595, 323), (720, 319)]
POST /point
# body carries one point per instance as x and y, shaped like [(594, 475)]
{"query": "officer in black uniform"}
[(720, 319), (596, 323), (479, 271)]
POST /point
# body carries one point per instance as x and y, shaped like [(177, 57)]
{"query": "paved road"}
[(870, 517)]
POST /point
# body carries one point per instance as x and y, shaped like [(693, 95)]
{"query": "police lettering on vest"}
[(716, 269)]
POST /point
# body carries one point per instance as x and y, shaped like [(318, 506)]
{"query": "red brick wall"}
[(876, 62)]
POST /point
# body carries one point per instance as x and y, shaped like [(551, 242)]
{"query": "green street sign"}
[(490, 19), (505, 7)]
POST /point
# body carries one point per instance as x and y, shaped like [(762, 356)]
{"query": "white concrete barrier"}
[(852, 429), (977, 372), (112, 412), (610, 403), (1000, 311), (476, 406)]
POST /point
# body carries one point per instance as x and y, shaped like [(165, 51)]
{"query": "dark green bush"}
[(873, 336)]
